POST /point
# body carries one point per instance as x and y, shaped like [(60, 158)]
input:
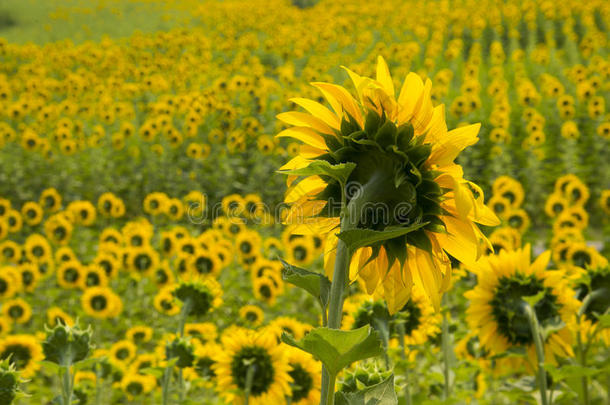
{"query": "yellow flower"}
[(25, 353), (495, 306), (404, 158), (241, 347)]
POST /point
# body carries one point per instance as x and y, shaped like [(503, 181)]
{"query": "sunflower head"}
[(199, 296), (67, 345), (384, 165), (182, 350)]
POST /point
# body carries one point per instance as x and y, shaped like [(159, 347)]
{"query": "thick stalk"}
[(67, 386), (537, 335), (403, 356), (165, 385)]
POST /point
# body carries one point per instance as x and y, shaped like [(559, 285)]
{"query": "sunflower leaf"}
[(338, 172), (316, 284), (378, 394), (337, 349), (357, 238)]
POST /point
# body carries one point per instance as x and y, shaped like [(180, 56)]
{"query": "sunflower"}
[(23, 351), (37, 247), (142, 260), (163, 275), (201, 295), (243, 349), (174, 209), (56, 315), (5, 207), (50, 200), (112, 236), (139, 333), (92, 276), (204, 332), (496, 313), (58, 229), (69, 274), (555, 205), (142, 361), (84, 212), (403, 159), (10, 251), (30, 275), (272, 248), (517, 219), (306, 380), (31, 213), (108, 263), (300, 251), (137, 386), (252, 315), (265, 290), (204, 362), (5, 325), (233, 205), (10, 282), (17, 310), (420, 322), (101, 303), (248, 244), (289, 325), (204, 262), (165, 301), (106, 204), (122, 353), (595, 279), (155, 203)]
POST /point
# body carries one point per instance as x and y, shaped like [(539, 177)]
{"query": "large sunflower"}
[(496, 311), (404, 166), (245, 348)]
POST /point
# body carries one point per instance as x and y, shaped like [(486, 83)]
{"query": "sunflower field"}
[(331, 202)]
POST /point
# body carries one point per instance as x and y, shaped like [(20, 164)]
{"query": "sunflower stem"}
[(165, 385), (67, 385), (335, 305), (186, 308), (582, 352), (539, 344), (249, 379), (401, 340)]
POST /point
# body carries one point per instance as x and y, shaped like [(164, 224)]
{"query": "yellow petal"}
[(343, 101), (300, 119), (383, 76), (318, 110), (305, 135)]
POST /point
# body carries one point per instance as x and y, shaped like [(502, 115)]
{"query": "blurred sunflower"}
[(24, 351), (243, 349)]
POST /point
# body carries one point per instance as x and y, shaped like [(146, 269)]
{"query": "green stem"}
[(403, 356), (165, 385), (582, 352), (446, 356), (186, 308), (67, 386), (181, 386), (249, 380), (537, 335)]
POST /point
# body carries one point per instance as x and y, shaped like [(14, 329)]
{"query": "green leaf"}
[(156, 372), (338, 172), (337, 349), (53, 368), (604, 321), (316, 284), (570, 371), (379, 394), (357, 238)]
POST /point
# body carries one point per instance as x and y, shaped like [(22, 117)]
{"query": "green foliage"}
[(337, 349)]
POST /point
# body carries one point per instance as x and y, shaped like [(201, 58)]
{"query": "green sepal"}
[(357, 238)]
